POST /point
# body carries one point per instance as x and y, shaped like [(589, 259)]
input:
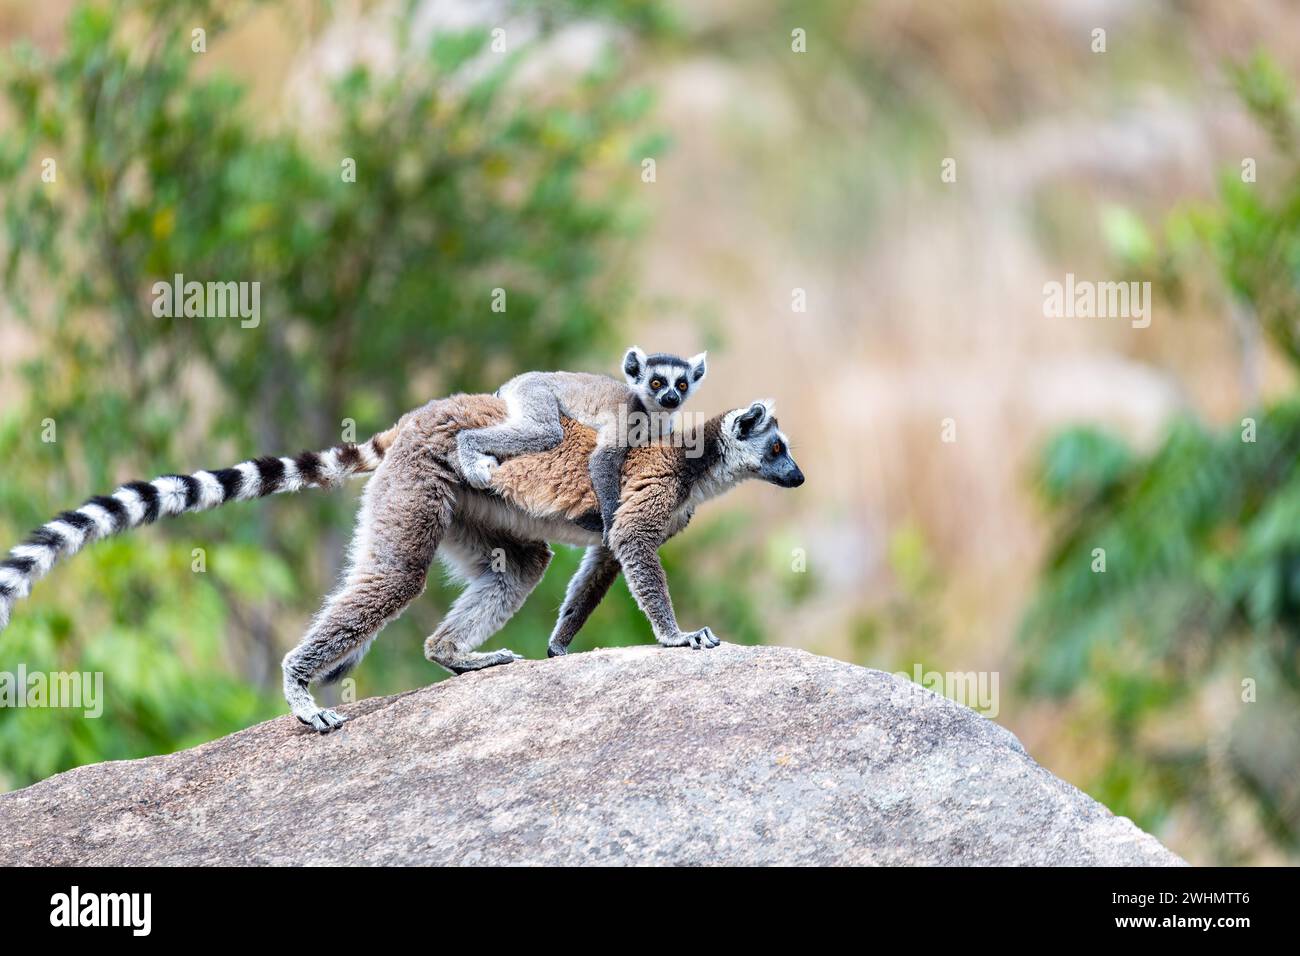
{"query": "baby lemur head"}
[(662, 381)]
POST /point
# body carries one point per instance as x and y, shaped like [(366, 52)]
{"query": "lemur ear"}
[(699, 367), (634, 365), (750, 419)]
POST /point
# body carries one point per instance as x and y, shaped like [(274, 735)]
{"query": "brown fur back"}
[(552, 482), (545, 484)]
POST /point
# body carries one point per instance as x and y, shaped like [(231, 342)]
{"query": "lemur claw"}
[(323, 721), (703, 638)]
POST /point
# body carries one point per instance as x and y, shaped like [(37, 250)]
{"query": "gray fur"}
[(606, 480), (501, 571), (587, 588)]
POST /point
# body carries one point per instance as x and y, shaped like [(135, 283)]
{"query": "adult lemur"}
[(418, 503)]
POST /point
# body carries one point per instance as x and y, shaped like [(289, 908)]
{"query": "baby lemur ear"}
[(699, 367), (634, 365), (750, 419)]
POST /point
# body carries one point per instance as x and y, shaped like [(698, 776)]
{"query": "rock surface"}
[(641, 755)]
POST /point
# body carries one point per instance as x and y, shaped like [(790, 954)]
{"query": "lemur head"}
[(663, 382), (752, 446)]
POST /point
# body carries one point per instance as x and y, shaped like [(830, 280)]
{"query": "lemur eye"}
[(656, 383), (777, 448), (681, 385)]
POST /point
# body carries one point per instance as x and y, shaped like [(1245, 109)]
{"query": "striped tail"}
[(141, 502)]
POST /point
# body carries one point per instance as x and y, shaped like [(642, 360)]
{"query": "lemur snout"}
[(670, 400)]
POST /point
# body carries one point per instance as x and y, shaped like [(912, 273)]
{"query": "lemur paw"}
[(696, 640), (323, 721), (478, 473), (556, 650), (459, 662)]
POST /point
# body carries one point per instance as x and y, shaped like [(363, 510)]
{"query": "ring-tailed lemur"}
[(417, 504), (623, 415)]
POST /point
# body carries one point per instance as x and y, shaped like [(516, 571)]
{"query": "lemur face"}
[(757, 445), (662, 381)]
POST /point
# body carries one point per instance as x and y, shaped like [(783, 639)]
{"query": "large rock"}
[(640, 755)]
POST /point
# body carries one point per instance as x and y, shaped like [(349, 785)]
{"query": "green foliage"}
[(907, 628), (1201, 537)]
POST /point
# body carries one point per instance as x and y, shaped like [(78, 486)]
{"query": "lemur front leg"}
[(502, 571), (532, 424), (638, 532), (587, 588)]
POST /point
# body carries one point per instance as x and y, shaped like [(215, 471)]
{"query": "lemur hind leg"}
[(502, 571), (405, 510), (532, 424), (587, 588)]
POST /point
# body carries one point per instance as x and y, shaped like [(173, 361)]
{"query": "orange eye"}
[(777, 448), (657, 384), (681, 386)]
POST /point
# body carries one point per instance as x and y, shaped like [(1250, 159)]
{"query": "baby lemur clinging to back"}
[(623, 415)]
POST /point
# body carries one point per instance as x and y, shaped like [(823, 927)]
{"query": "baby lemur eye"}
[(656, 383), (777, 448), (681, 385)]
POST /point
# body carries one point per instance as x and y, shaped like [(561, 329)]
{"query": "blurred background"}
[(966, 455)]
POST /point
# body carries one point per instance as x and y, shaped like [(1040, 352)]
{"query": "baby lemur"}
[(643, 410), (418, 504)]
